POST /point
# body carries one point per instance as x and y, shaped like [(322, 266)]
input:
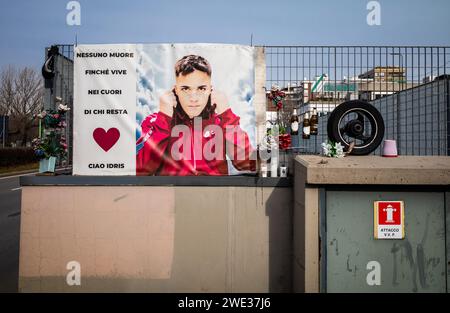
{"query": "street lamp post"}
[(401, 67), (402, 88), (3, 130)]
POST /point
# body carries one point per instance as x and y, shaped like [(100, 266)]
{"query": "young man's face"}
[(193, 91)]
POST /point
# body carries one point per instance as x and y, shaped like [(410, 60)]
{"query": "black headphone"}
[(180, 115)]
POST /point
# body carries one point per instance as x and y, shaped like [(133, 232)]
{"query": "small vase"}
[(47, 165)]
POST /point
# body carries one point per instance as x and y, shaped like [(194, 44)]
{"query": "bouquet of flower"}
[(276, 96), (51, 145), (333, 150), (54, 119), (285, 141)]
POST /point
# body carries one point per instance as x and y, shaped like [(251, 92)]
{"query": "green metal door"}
[(356, 262)]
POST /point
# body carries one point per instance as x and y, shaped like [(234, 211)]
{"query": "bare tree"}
[(21, 97), (7, 89)]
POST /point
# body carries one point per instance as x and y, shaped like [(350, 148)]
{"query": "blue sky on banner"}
[(26, 27)]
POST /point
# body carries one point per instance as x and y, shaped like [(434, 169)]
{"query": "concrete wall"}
[(236, 239), (333, 223), (156, 239), (305, 262)]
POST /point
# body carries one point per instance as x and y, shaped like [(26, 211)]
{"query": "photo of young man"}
[(195, 130)]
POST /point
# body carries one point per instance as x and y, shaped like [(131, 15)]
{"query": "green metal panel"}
[(447, 214), (415, 264), (339, 87)]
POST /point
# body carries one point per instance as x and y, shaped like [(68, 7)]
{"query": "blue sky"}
[(26, 27)]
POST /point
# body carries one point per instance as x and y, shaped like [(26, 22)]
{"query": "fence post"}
[(399, 147), (448, 115)]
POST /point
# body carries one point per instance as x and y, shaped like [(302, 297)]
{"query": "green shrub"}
[(16, 156)]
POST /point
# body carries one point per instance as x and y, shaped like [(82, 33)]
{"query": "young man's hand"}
[(220, 100), (167, 102)]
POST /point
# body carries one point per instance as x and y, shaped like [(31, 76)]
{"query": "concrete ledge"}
[(221, 181), (376, 170)]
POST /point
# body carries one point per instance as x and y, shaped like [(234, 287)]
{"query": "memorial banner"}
[(164, 109)]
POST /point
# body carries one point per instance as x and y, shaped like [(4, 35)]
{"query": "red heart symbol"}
[(106, 139)]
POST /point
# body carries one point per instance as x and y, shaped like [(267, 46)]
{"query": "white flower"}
[(333, 150), (326, 147), (339, 150), (63, 108)]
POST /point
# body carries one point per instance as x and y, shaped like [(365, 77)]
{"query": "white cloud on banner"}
[(233, 68)]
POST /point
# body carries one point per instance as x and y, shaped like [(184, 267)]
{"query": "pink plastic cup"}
[(390, 149)]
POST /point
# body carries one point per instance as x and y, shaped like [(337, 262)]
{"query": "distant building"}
[(385, 74), (382, 81), (325, 94)]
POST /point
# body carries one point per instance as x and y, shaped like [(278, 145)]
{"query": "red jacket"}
[(155, 145)]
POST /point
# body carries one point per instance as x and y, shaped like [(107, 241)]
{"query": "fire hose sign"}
[(389, 219)]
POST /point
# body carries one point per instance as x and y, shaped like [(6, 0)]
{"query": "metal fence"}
[(407, 84), (62, 87), (418, 119)]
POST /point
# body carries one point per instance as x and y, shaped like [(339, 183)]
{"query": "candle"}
[(264, 171)]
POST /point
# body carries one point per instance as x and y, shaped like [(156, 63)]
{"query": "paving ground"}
[(10, 193)]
